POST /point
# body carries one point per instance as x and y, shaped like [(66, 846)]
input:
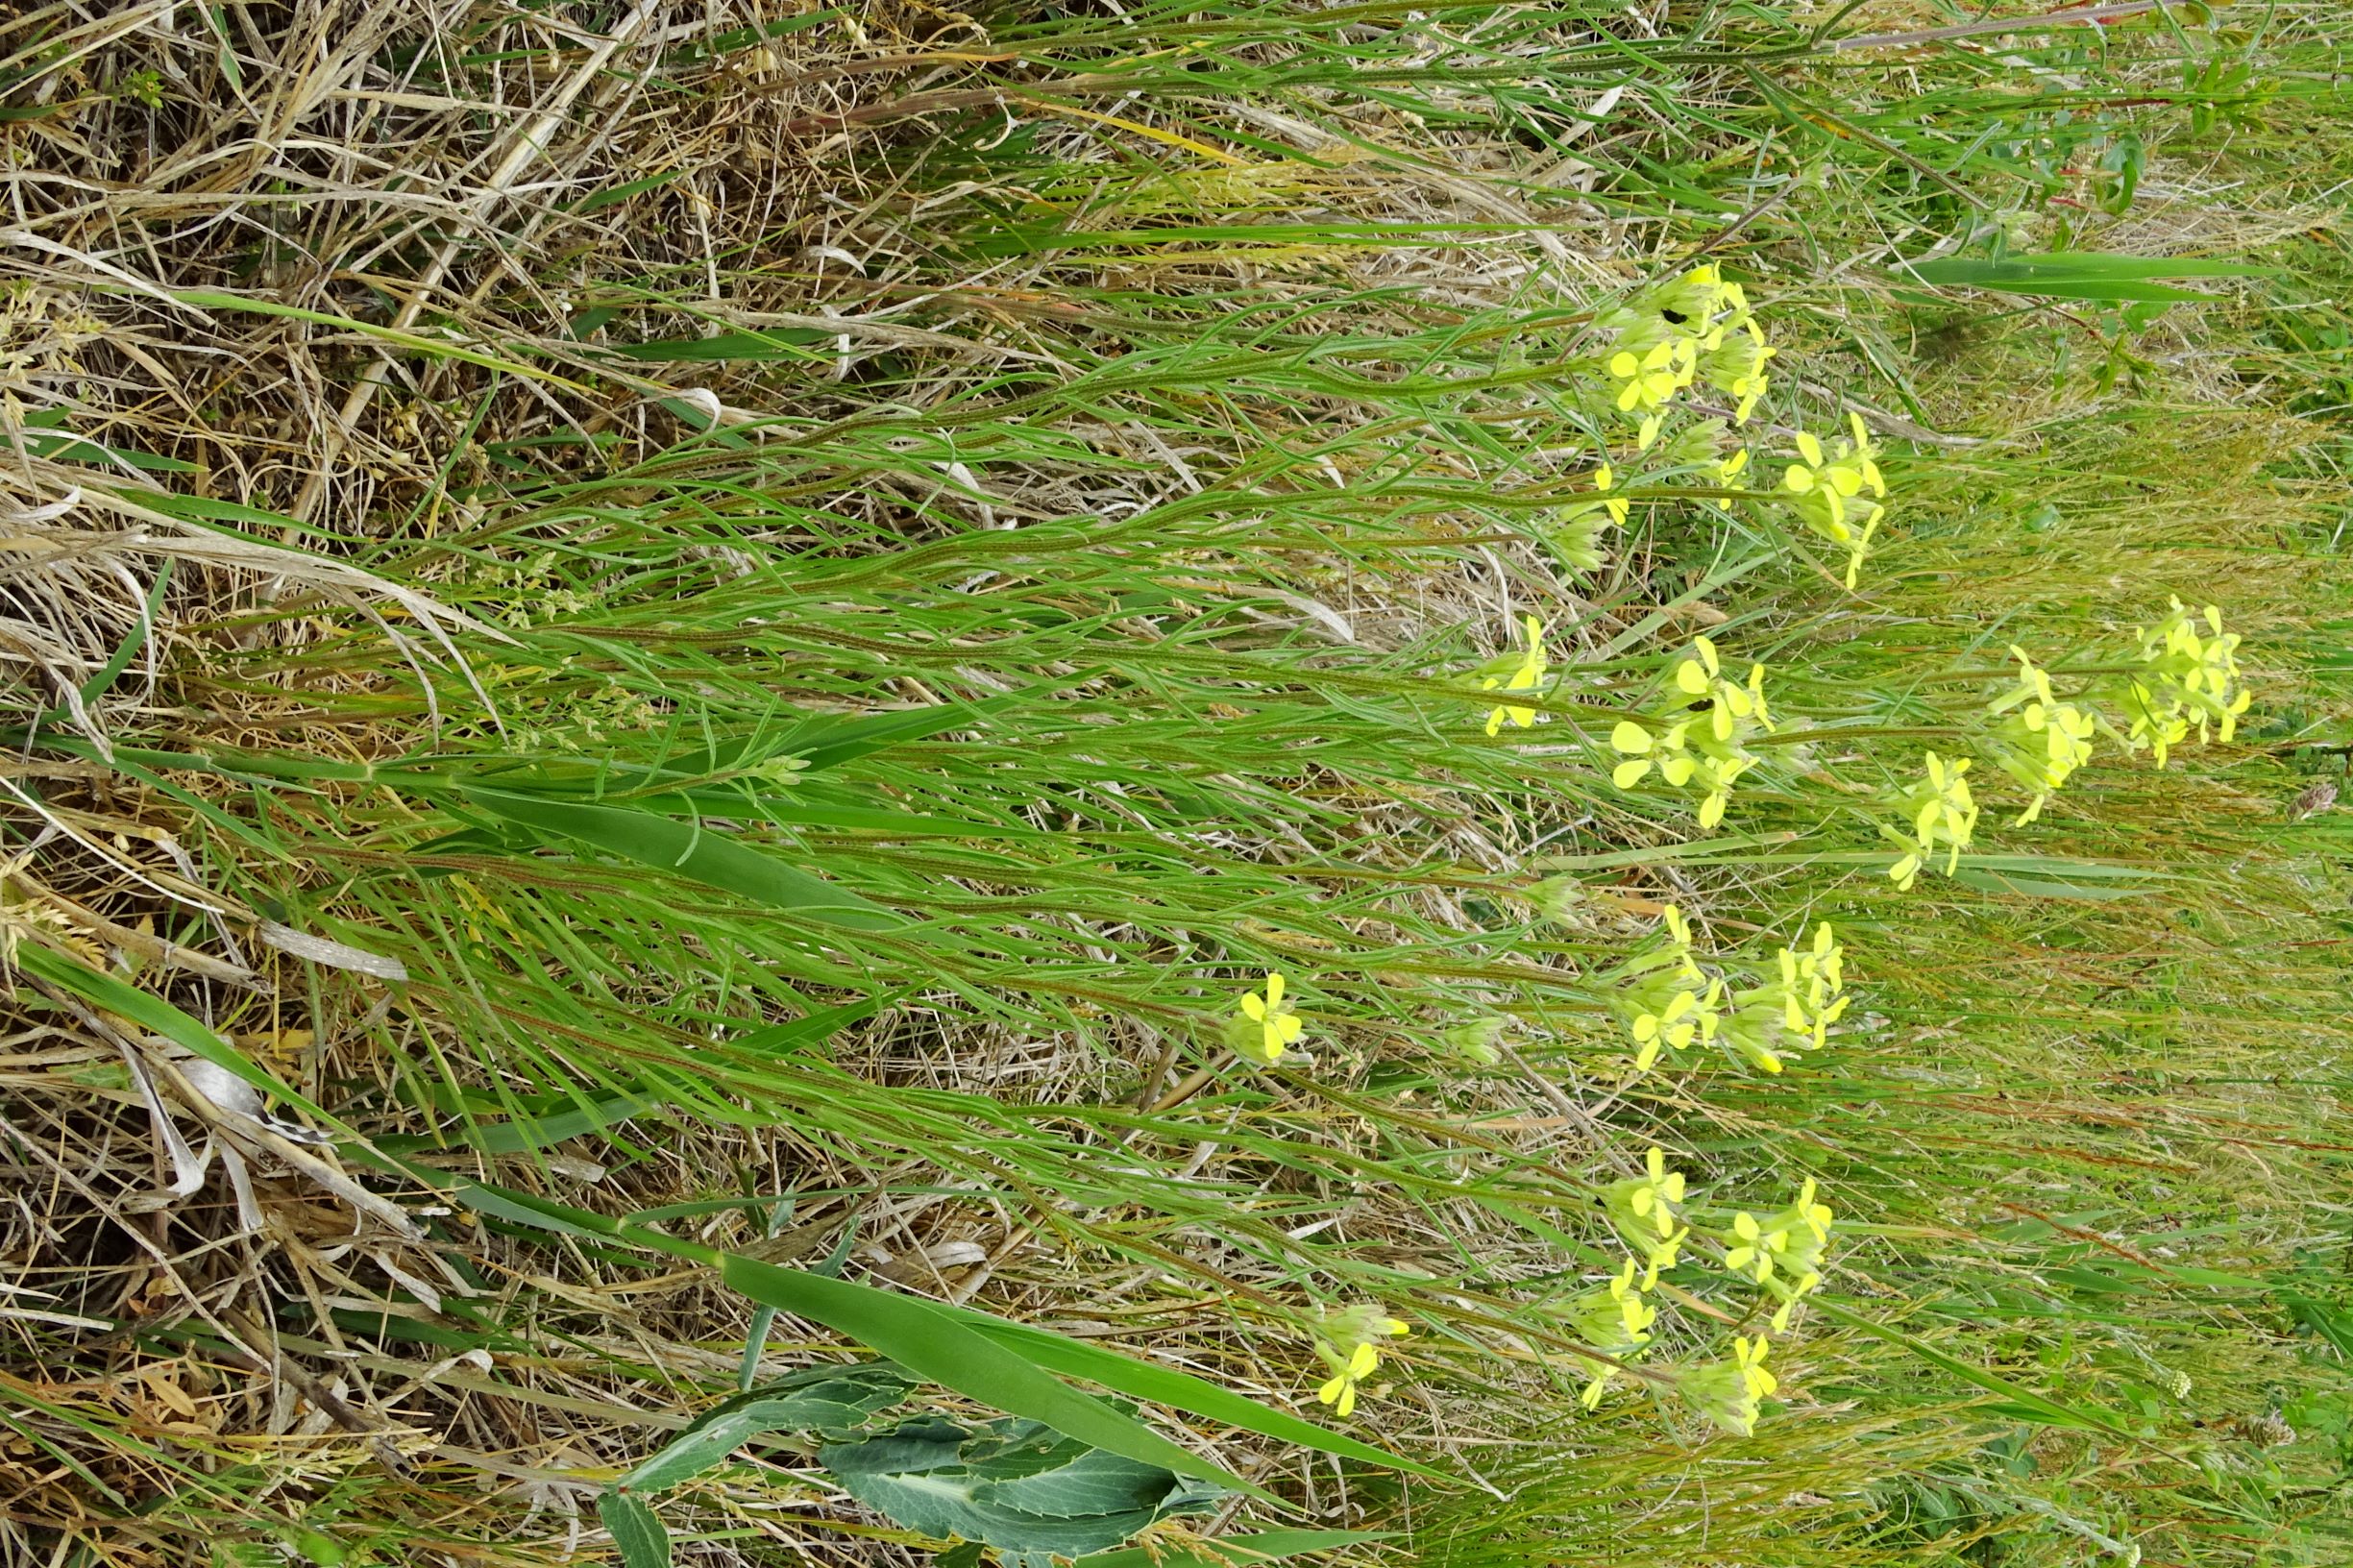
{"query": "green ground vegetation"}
[(679, 671)]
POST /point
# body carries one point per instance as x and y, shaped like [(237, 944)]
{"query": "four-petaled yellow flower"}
[(1279, 1028), (1665, 750), (1528, 677), (1651, 1199), (1650, 380), (1349, 1371), (1641, 1210)]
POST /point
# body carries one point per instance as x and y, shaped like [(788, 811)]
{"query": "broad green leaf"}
[(607, 197), (2040, 888), (1033, 1494), (826, 743), (691, 850), (2331, 1323), (523, 1134), (643, 1541), (2102, 264), (936, 1342), (829, 1400)]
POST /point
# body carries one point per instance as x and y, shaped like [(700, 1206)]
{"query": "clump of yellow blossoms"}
[(1938, 807), (2041, 741), (1794, 1008), (1613, 1319), (1668, 1001), (1727, 1393), (2186, 676), (1695, 327), (1826, 489), (1783, 1251), (1706, 749)]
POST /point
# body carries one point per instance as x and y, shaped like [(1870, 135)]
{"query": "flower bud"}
[(1476, 1039)]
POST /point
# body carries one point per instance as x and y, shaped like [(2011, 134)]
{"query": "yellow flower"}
[(1756, 1248), (1675, 764), (1749, 1354), (1824, 490), (1651, 379), (1790, 1292), (1661, 1254), (1940, 808), (1858, 460), (1728, 473), (1815, 476), (1349, 1371), (1641, 1210), (1279, 1028), (1606, 479), (1665, 1187), (1529, 677)]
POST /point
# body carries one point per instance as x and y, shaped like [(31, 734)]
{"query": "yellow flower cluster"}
[(1795, 1009), (1783, 1252), (2186, 676), (1825, 488), (1938, 807), (1697, 327), (1726, 1393), (1527, 676), (2041, 741), (1669, 1002), (1613, 1319), (1694, 747)]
